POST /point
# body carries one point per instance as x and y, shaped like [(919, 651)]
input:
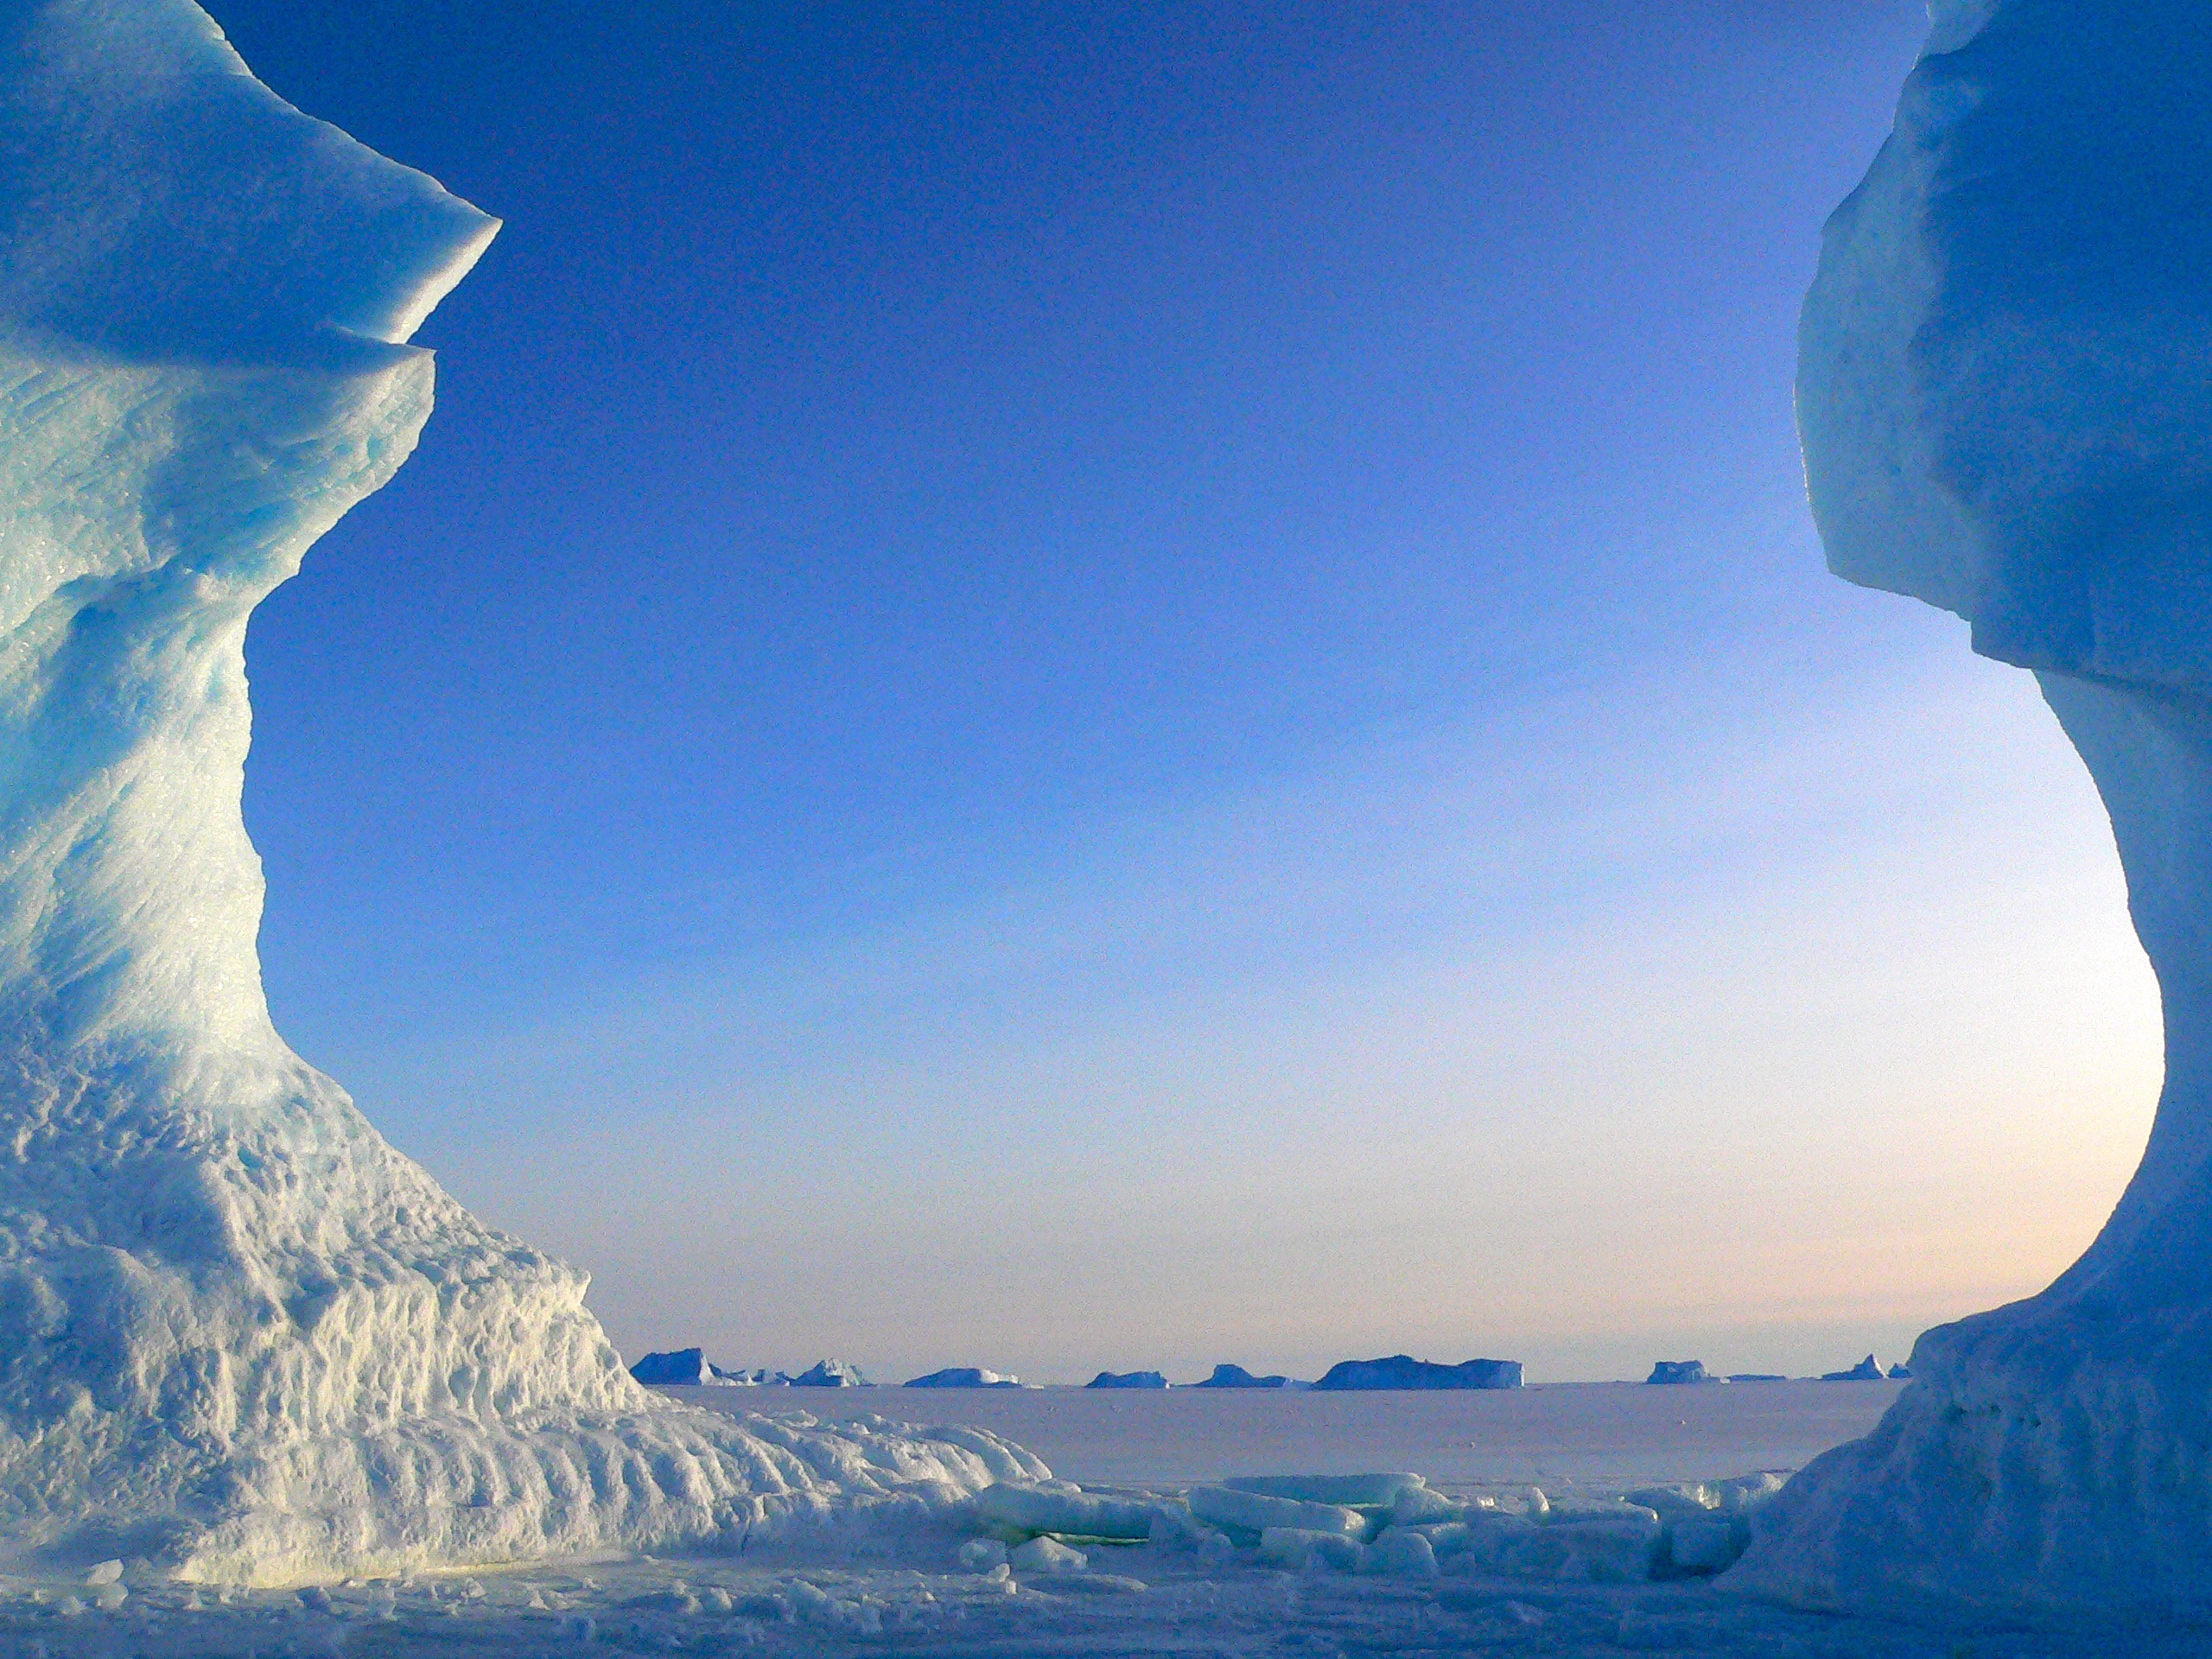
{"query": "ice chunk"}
[(1417, 1505), (1078, 1514), (1677, 1370), (1746, 1492), (1707, 1543), (1253, 1513), (1354, 1491), (1615, 1544), (1400, 1553), (1690, 1498), (1300, 1548), (1127, 1380), (982, 1554), (1046, 1555), (1400, 1371)]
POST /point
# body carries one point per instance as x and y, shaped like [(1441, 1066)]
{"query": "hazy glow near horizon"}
[(1145, 685), (1769, 1029)]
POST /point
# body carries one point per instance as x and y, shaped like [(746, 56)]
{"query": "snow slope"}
[(239, 1334), (2006, 396)]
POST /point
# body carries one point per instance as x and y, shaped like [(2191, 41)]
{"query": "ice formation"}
[(2006, 396), (1236, 1377), (1403, 1371), (963, 1377), (240, 1335), (1869, 1370)]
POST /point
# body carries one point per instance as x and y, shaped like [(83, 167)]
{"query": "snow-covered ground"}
[(858, 1588), (1613, 1435)]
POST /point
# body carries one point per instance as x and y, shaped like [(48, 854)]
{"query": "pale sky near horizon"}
[(1122, 687)]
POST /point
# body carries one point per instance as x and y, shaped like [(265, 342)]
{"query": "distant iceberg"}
[(1678, 1371), (830, 1374), (689, 1367), (1127, 1380), (1402, 1371), (1869, 1370), (1236, 1377), (963, 1377)]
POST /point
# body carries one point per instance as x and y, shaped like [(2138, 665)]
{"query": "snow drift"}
[(2006, 396), (239, 1334)]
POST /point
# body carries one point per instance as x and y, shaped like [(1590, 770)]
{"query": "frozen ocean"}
[(945, 1585)]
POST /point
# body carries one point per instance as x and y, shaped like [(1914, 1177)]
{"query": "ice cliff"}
[(239, 1334), (2005, 398)]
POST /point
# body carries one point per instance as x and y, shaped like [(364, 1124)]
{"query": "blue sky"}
[(1137, 685)]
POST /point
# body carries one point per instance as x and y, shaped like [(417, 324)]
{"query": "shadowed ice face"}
[(157, 202), (2004, 407)]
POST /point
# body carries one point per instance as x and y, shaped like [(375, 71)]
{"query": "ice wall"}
[(238, 1333), (2006, 396)]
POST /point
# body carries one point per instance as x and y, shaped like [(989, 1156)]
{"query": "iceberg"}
[(2004, 395), (1402, 1371), (830, 1374), (1678, 1371), (1127, 1380), (689, 1367), (242, 1338), (1236, 1377), (963, 1377), (1868, 1369)]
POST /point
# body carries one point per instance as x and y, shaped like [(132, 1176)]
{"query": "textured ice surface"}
[(239, 1335), (1562, 1580), (2005, 395)]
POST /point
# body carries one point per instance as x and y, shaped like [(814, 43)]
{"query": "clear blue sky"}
[(1067, 685)]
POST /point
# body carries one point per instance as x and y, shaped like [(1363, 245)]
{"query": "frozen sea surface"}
[(1610, 1435), (856, 1590)]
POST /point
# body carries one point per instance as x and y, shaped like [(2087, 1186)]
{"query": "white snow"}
[(1598, 1571), (2006, 396), (240, 1336)]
